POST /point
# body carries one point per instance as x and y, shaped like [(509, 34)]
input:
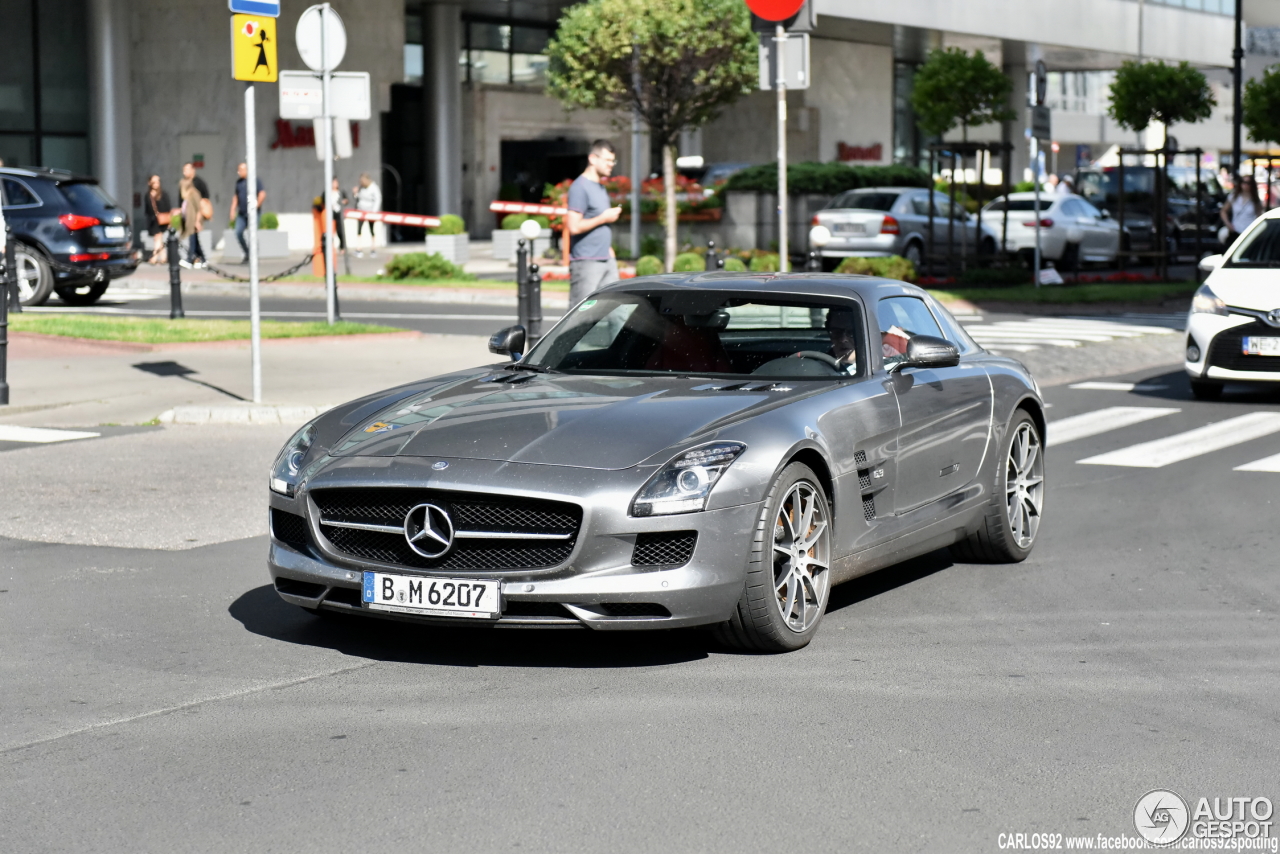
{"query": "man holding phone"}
[(591, 259)]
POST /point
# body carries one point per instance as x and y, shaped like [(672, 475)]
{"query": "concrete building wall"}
[(853, 94), (182, 89)]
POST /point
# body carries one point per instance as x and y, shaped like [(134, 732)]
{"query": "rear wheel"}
[(35, 277), (1202, 390), (914, 254), (789, 571), (82, 294), (1008, 532)]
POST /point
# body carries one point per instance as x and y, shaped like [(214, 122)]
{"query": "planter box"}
[(455, 248), (505, 244), (271, 244)]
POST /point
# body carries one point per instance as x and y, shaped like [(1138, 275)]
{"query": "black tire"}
[(86, 293), (757, 623), (1202, 390), (995, 540), (988, 247), (35, 276), (1070, 260), (915, 254)]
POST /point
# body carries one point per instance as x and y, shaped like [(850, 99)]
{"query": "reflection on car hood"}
[(1256, 287), (589, 422)]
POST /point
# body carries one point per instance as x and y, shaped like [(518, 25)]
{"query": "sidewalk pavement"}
[(82, 384)]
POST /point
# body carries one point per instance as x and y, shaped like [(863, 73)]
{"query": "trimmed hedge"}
[(767, 262), (512, 222), (449, 224), (690, 262), (892, 267), (420, 265), (734, 265), (826, 179), (649, 265)]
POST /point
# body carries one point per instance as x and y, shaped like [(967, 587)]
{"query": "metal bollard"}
[(713, 258), (535, 306), (10, 285), (14, 297), (522, 282), (175, 276), (814, 264)]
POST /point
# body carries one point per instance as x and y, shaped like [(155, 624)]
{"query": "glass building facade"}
[(44, 84)]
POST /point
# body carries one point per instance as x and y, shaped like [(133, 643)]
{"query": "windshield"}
[(865, 200), (706, 333), (1260, 247)]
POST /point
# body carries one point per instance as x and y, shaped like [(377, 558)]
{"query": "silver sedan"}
[(714, 449)]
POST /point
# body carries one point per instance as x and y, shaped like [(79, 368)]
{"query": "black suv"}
[(72, 238), (1098, 186)]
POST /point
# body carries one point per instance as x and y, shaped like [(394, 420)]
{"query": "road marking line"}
[(1271, 463), (1105, 386), (1102, 421), (40, 435), (1193, 443)]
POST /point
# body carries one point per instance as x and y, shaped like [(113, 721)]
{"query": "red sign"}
[(775, 10), (304, 135), (859, 152)]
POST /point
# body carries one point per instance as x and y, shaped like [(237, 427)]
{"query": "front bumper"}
[(1220, 358), (594, 587)]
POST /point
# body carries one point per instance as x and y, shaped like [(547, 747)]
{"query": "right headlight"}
[(288, 464), (1207, 302), (684, 484)]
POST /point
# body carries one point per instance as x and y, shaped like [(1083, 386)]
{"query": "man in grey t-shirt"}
[(591, 260)]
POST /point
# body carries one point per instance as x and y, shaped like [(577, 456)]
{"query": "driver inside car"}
[(840, 325)]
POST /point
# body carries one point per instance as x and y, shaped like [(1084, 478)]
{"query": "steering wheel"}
[(817, 357)]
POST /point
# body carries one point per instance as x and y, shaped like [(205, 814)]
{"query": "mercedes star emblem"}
[(428, 530), (1274, 314), (439, 465)]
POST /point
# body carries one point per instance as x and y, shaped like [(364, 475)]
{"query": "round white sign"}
[(321, 38)]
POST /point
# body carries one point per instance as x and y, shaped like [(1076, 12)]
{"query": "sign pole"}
[(251, 210), (780, 48), (330, 269), (1035, 180), (9, 281)]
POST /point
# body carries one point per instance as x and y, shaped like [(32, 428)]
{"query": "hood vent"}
[(509, 379)]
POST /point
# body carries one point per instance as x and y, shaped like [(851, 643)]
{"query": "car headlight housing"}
[(684, 484), (288, 464), (1207, 302)]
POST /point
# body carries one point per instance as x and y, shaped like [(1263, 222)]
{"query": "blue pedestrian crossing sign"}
[(267, 8)]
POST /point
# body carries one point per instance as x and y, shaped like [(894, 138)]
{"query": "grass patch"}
[(1061, 294), (145, 330)]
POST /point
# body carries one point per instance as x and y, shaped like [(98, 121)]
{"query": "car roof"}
[(880, 190), (835, 285), (43, 172)]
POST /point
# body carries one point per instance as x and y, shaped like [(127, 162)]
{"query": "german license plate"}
[(849, 228), (439, 597), (1255, 346), (113, 232)]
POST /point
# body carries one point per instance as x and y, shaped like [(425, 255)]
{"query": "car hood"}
[(1256, 288), (588, 422)]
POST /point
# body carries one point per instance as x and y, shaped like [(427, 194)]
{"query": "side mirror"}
[(1106, 214), (927, 351), (508, 342), (1209, 263)]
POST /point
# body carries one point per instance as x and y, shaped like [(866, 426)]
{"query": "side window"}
[(1089, 210), (902, 318), (920, 205), (19, 195)]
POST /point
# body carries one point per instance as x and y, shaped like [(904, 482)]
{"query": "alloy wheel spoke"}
[(790, 605)]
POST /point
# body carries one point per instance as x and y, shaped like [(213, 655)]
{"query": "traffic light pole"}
[(780, 48)]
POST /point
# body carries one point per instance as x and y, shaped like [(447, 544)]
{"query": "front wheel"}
[(789, 571), (1008, 531)]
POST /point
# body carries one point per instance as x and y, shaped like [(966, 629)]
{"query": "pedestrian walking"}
[(368, 199), (339, 201), (240, 207), (196, 209), (159, 213), (1241, 208), (1066, 186), (591, 259)]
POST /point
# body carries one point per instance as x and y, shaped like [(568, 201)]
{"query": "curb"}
[(248, 413)]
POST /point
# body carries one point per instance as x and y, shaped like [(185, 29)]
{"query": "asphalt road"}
[(161, 700)]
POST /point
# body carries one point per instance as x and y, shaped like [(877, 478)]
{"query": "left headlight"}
[(284, 472), (1206, 301), (684, 484)]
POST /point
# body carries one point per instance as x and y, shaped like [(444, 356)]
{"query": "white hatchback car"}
[(1233, 330), (1071, 229)]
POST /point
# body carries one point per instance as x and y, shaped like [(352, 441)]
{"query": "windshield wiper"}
[(537, 369)]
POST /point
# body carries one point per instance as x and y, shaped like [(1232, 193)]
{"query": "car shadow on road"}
[(262, 612), (888, 579), (1176, 386)]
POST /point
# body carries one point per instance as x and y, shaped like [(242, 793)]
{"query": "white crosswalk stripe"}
[(1101, 421), (1025, 335), (1271, 463), (40, 435), (1109, 386), (1192, 443)]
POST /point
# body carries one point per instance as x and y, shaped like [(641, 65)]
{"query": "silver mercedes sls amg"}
[(712, 449)]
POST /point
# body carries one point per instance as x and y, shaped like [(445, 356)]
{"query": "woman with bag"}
[(159, 214), (196, 208), (1241, 209)]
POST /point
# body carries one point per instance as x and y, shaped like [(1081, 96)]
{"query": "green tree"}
[(1261, 106), (679, 63), (953, 88), (1143, 92)]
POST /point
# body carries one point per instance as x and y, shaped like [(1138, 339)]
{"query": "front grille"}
[(290, 529), (668, 548), (1227, 349), (468, 512), (634, 609)]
